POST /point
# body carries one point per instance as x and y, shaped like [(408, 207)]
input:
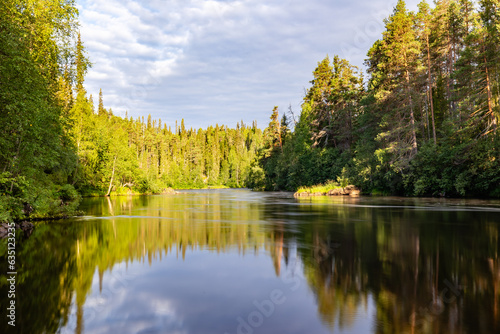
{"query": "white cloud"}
[(213, 61)]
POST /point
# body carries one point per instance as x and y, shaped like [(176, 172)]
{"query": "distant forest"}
[(423, 123)]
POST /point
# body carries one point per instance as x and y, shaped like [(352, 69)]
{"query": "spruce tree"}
[(100, 108)]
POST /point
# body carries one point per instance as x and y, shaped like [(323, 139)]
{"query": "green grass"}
[(217, 187), (320, 188)]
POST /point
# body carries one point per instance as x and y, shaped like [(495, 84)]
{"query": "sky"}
[(219, 61)]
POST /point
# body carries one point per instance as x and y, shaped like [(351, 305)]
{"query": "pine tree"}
[(347, 91), (100, 108), (82, 65), (424, 20), (489, 13), (477, 71), (402, 49), (394, 64), (441, 45), (316, 109), (274, 130)]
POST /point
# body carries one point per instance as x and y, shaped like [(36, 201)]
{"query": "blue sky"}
[(219, 61)]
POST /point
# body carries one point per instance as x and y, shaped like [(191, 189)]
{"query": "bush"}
[(68, 193), (256, 178), (35, 197), (471, 169)]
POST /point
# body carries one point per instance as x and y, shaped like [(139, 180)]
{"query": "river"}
[(236, 261)]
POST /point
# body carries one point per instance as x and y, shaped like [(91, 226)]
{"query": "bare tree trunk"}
[(112, 176), (293, 115)]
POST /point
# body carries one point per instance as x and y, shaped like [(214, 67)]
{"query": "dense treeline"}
[(123, 155), (55, 145), (424, 123)]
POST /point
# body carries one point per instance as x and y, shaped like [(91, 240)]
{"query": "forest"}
[(423, 122)]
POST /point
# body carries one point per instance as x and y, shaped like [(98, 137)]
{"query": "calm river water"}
[(242, 262)]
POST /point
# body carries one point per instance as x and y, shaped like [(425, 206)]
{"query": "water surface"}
[(236, 261)]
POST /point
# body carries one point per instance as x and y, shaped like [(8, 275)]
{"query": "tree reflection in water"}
[(427, 268)]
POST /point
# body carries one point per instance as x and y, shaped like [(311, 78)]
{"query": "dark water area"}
[(235, 261)]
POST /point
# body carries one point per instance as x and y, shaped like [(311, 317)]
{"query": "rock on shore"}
[(25, 226)]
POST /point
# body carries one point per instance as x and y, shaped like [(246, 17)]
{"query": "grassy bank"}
[(323, 188)]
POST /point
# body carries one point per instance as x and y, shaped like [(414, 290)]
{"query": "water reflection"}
[(234, 261)]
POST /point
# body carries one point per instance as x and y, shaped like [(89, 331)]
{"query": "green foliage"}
[(35, 155), (36, 198), (126, 156), (256, 178), (471, 169), (342, 179)]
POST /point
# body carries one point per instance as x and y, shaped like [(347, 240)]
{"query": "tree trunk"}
[(430, 89), (412, 117), (112, 176), (448, 79), (488, 89), (413, 132)]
